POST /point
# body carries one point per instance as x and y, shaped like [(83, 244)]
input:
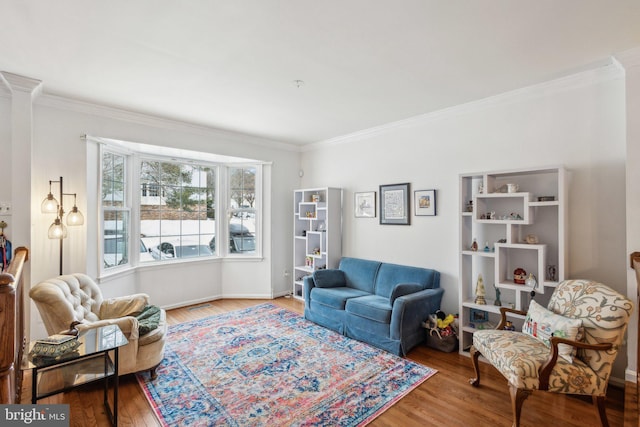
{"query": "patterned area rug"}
[(266, 366)]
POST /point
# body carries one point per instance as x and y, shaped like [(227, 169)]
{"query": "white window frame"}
[(133, 159), (257, 210), (127, 207)]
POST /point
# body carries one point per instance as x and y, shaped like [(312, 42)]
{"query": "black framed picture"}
[(394, 204)]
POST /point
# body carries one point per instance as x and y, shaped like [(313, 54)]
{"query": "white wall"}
[(577, 122), (630, 60)]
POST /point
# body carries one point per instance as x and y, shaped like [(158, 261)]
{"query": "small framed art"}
[(394, 204), (424, 202), (364, 204)]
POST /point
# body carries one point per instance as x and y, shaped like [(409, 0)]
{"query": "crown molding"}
[(20, 83), (628, 59), (607, 72), (85, 107)]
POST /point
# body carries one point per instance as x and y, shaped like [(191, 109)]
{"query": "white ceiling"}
[(231, 64)]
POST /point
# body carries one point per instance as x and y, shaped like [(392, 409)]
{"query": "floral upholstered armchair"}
[(567, 348)]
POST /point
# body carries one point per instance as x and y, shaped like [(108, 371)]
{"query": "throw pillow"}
[(543, 324), (402, 289), (329, 278)]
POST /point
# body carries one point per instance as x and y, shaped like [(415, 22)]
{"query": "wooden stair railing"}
[(12, 328)]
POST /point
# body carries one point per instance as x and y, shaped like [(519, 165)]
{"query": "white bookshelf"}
[(502, 221), (317, 232)]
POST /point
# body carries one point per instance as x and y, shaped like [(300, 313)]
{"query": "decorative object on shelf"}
[(519, 276), (546, 198), (531, 239), (532, 283), (497, 302), (512, 188), (470, 206), (480, 291), (479, 319), (551, 273), (315, 198), (394, 204), (316, 251), (364, 204), (474, 245), (424, 202), (486, 247), (480, 188), (508, 326), (321, 226)]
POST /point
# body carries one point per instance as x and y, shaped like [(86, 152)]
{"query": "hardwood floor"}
[(446, 399)]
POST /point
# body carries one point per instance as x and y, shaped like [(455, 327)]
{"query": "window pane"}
[(176, 218), (242, 223), (115, 213), (116, 238)]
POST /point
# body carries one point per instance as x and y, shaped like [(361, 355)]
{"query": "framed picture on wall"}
[(394, 204), (424, 202), (364, 204)]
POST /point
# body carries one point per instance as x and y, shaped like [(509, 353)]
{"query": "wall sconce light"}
[(57, 230)]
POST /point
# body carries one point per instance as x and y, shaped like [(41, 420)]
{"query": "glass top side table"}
[(90, 362)]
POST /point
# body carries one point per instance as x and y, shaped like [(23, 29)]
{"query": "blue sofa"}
[(379, 303)]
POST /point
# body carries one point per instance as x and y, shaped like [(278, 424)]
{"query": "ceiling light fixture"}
[(298, 83)]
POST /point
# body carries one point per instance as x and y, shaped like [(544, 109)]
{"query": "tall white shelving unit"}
[(500, 222), (317, 232)]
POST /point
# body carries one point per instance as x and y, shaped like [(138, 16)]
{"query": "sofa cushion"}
[(373, 307), (335, 297), (389, 275), (403, 289), (521, 372), (329, 278), (360, 273)]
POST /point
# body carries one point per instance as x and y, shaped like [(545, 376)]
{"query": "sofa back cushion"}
[(360, 273), (389, 275)]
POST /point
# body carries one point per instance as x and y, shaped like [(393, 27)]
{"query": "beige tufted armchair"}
[(529, 363), (76, 297)]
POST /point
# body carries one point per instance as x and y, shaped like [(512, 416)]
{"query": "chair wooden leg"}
[(475, 355), (153, 373), (518, 396), (599, 403)]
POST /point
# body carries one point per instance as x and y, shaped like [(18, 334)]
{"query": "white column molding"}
[(630, 61), (23, 92)]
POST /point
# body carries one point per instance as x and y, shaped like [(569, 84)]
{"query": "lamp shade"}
[(57, 230), (75, 217), (49, 204)]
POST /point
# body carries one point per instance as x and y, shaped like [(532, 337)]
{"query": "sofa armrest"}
[(127, 324), (402, 289), (409, 311), (307, 285), (123, 306)]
